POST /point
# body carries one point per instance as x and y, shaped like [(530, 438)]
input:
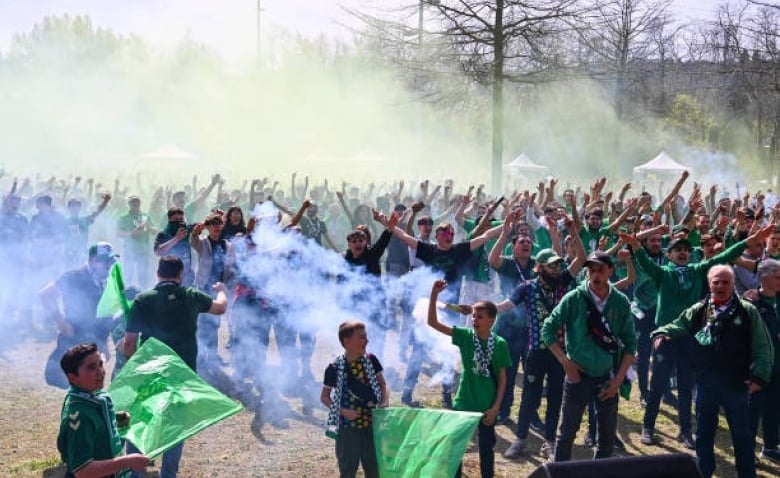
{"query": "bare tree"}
[(499, 40), (620, 35)]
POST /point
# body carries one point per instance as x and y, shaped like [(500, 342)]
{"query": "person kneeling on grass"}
[(352, 387), (485, 358), (88, 440)]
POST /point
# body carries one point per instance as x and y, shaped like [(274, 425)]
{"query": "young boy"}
[(88, 441), (485, 358), (358, 386)]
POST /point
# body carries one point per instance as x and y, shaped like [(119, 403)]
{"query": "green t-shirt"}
[(590, 239), (127, 223), (476, 393), (88, 430), (480, 270), (169, 313)]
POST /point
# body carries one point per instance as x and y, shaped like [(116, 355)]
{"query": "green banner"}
[(168, 402), (421, 443), (113, 302)]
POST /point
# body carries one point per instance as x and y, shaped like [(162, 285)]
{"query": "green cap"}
[(547, 256)]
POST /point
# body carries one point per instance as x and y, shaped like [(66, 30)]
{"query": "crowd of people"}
[(585, 289)]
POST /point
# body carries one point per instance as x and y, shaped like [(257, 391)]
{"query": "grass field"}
[(294, 446)]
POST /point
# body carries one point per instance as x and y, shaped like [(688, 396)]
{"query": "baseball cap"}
[(102, 250), (133, 198), (679, 242), (600, 257), (547, 256)]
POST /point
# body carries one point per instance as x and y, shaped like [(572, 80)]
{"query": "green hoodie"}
[(572, 313), (679, 287)]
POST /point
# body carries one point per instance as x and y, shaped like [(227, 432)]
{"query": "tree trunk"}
[(498, 101)]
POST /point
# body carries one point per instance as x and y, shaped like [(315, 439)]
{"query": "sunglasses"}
[(446, 232)]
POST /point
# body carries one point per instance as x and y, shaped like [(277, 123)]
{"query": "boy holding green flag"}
[(485, 358)]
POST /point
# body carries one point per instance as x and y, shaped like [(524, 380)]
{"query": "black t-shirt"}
[(80, 296), (450, 262)]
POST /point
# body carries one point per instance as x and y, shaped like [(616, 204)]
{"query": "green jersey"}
[(476, 392), (88, 430)]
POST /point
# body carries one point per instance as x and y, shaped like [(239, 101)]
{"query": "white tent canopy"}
[(522, 163), (663, 163), (169, 152)]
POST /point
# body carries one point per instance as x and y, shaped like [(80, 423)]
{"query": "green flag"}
[(412, 443), (113, 302), (168, 402)]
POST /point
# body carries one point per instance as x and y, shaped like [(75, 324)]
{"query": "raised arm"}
[(106, 197), (340, 196), (490, 234), (299, 214), (433, 314), (630, 278), (494, 258), (579, 248), (628, 211), (676, 189)]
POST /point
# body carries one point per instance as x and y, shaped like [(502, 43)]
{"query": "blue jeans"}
[(515, 332), (170, 461), (644, 348), (541, 363), (576, 397), (669, 354), (764, 408), (710, 396)]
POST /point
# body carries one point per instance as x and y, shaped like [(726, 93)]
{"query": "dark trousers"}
[(764, 409), (644, 349), (576, 397), (486, 438), (665, 358), (539, 364), (516, 337), (710, 397), (355, 447)]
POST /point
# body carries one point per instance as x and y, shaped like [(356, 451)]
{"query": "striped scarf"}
[(332, 429)]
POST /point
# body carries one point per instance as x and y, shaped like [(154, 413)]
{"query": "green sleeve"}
[(627, 334), (202, 300), (653, 270), (80, 435), (729, 238), (762, 349), (501, 357), (681, 326), (694, 237), (729, 255)]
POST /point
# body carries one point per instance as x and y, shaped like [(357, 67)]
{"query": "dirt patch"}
[(291, 445)]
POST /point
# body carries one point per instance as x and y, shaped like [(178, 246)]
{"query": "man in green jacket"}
[(731, 359), (680, 284), (600, 346)]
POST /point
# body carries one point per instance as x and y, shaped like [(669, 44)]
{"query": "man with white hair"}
[(731, 360)]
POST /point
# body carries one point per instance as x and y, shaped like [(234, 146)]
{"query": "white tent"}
[(169, 152), (661, 164), (523, 164)]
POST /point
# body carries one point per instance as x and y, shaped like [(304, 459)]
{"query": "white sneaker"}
[(515, 449), (547, 450)]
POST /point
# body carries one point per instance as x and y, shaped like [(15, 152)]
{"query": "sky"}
[(228, 26)]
